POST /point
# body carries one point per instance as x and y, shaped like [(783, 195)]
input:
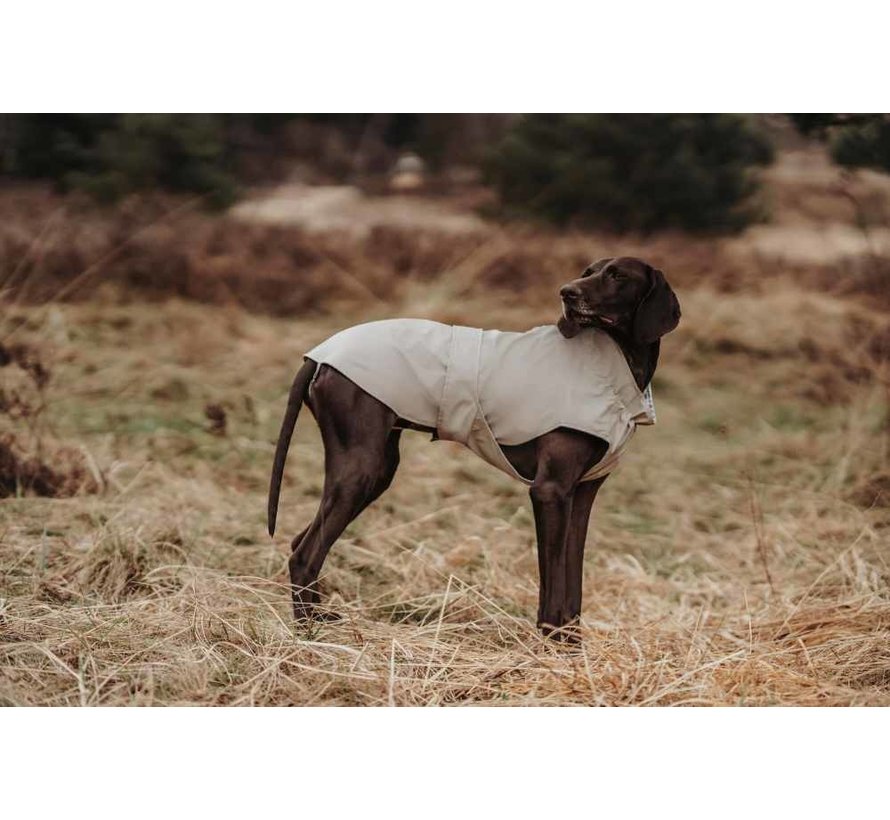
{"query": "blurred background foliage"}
[(110, 155), (640, 172), (637, 171), (855, 140)]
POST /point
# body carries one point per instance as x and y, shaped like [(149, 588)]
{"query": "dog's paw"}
[(327, 616), (568, 634), (313, 614)]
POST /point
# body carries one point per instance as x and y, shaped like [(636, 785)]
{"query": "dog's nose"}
[(570, 293)]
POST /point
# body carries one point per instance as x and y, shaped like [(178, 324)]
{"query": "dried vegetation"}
[(739, 556)]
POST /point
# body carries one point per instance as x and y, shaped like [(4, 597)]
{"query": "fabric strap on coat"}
[(459, 406)]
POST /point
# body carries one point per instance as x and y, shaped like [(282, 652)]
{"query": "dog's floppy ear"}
[(597, 266), (659, 311)]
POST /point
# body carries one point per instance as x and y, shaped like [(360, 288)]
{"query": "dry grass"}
[(739, 556)]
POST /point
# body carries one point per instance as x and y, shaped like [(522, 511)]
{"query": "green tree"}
[(630, 171), (110, 155), (855, 140)]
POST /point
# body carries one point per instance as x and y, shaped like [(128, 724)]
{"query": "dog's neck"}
[(641, 358)]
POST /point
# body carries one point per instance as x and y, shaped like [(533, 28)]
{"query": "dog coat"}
[(485, 388)]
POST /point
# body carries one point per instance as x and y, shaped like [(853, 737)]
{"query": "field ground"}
[(738, 556)]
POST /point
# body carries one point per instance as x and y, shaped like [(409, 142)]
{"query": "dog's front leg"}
[(585, 494), (560, 459), (552, 505)]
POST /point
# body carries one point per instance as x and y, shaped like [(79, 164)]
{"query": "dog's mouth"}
[(585, 316)]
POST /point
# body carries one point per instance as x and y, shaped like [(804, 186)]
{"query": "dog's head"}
[(622, 294)]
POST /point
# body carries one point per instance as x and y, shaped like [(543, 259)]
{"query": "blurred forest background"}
[(161, 274)]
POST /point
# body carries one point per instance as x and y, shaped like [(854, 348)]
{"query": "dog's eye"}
[(617, 275)]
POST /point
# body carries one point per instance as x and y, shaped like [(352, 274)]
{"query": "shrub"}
[(864, 145), (855, 140), (110, 155), (637, 171)]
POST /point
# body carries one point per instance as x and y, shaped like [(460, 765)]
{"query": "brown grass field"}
[(739, 556)]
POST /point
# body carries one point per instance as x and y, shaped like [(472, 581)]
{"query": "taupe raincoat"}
[(485, 388)]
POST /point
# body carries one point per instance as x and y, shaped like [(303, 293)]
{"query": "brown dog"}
[(624, 297)]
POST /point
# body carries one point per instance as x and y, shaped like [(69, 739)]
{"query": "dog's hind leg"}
[(356, 479), (361, 458)]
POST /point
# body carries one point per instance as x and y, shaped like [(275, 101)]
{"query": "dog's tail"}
[(294, 403)]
